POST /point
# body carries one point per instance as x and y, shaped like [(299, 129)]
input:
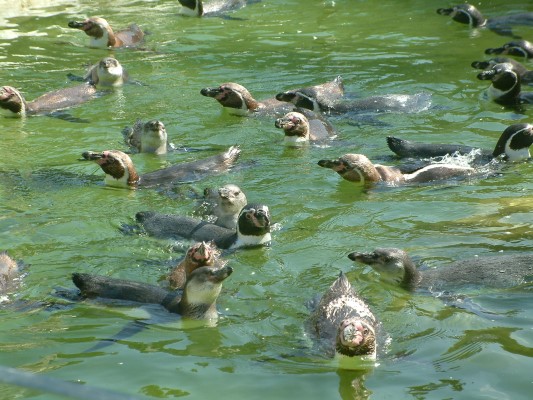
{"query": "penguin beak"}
[(211, 92), (487, 75), (364, 258), (91, 156), (285, 96), (218, 275), (77, 25), (497, 50), (444, 11), (330, 163)]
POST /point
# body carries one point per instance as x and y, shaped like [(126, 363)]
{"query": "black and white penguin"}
[(342, 325), (305, 126), (519, 48), (501, 271), (502, 25), (147, 137), (506, 87), (253, 228), (197, 8), (198, 300), (102, 36), (237, 99), (358, 168), (513, 145), (108, 72), (120, 171), (373, 104), (526, 75)]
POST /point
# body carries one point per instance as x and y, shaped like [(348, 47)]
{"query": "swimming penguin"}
[(200, 254), (198, 300), (501, 271), (299, 128), (502, 25), (147, 137), (108, 72), (196, 8), (105, 75), (373, 104), (519, 48), (9, 270), (358, 168), (342, 324), (526, 76), (225, 204), (238, 100), (513, 145), (102, 36), (253, 228), (505, 88), (120, 171)]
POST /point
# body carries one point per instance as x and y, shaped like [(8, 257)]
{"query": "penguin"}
[(147, 137), (225, 204), (102, 36), (304, 126), (10, 270), (374, 104), (342, 324), (253, 228), (500, 271), (518, 48), (513, 145), (107, 73), (358, 168), (505, 88), (120, 171), (502, 25), (200, 254), (196, 8), (237, 99), (198, 300), (526, 76)]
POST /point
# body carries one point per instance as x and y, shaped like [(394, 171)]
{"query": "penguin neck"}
[(412, 276), (251, 240)]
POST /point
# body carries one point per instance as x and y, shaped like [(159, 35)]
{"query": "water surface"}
[(57, 216)]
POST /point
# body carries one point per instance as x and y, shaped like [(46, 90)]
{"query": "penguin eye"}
[(365, 332)]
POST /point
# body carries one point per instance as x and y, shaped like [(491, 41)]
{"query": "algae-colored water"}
[(57, 216)]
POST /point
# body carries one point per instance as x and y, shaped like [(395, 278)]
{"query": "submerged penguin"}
[(200, 254), (513, 145), (198, 300), (102, 36), (502, 25), (373, 104), (225, 204), (238, 100), (108, 72), (253, 228), (519, 48), (298, 128), (526, 76), (501, 271), (358, 168), (147, 137), (120, 172), (505, 88), (197, 8), (342, 324)]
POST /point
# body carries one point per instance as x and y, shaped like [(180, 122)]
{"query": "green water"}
[(57, 216)]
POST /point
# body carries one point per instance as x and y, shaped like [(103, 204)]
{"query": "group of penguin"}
[(341, 322)]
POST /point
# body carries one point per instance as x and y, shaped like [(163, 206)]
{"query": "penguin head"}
[(465, 14)]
